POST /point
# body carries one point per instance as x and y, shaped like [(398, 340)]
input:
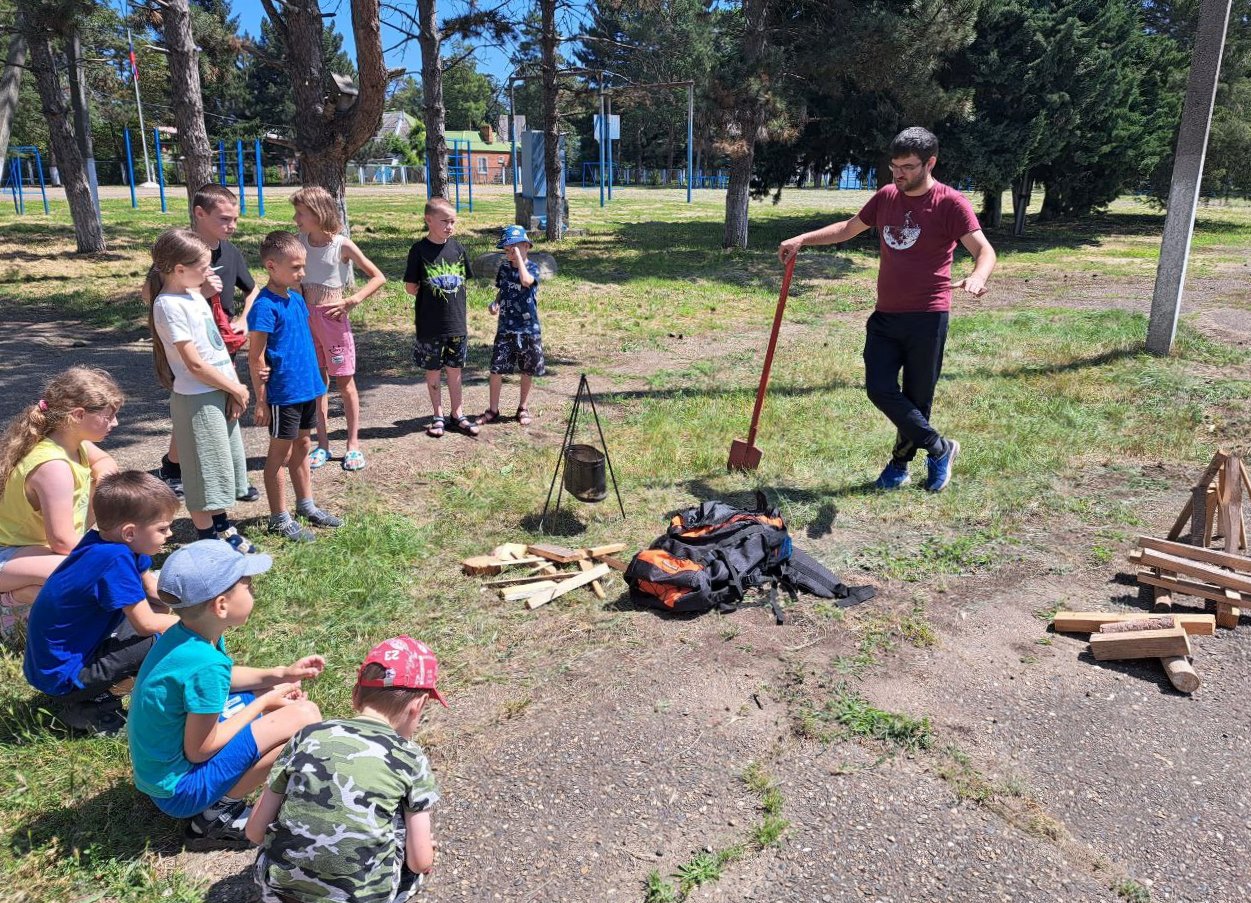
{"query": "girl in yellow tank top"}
[(48, 464)]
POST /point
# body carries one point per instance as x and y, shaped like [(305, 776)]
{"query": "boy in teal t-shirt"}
[(196, 749)]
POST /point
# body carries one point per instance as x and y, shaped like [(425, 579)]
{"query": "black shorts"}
[(435, 354), (518, 352), (286, 421)]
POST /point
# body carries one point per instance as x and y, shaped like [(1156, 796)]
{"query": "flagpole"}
[(134, 78)]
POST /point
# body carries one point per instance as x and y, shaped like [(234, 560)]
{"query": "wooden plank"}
[(1214, 466), (1229, 560), (1198, 514), (525, 591), (615, 563), (1231, 507), (1246, 477), (1228, 612), (1091, 621), (600, 551), (528, 578), (558, 554), (1182, 586), (487, 564), (1206, 572), (1181, 673), (1107, 647), (1209, 523), (595, 573), (1163, 599), (596, 586)]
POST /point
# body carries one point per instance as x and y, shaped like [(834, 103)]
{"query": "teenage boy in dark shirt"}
[(920, 220), (436, 273)]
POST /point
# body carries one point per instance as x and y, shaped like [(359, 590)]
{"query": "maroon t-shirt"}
[(918, 238)]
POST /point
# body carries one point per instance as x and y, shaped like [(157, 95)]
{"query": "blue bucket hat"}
[(206, 569), (513, 235)]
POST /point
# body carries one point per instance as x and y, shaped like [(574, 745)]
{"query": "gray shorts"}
[(214, 464)]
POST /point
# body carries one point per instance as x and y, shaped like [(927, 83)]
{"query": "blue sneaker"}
[(939, 469), (894, 476)]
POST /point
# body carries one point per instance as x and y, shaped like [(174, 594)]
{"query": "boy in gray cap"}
[(196, 749)]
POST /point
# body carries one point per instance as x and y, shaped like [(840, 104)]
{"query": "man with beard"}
[(919, 220)]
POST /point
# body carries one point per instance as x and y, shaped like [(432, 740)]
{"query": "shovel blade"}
[(743, 456)]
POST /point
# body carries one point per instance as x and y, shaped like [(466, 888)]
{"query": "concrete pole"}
[(1183, 196)]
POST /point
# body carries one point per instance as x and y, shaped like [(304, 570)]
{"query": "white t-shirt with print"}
[(183, 318)]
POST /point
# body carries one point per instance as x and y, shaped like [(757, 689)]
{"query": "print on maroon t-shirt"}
[(918, 240)]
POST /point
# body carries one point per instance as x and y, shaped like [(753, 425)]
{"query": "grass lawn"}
[(1040, 390)]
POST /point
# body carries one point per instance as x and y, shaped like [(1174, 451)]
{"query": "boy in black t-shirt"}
[(437, 270)]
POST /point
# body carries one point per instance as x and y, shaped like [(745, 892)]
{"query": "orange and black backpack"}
[(711, 556)]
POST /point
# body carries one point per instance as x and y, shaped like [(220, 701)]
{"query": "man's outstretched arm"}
[(834, 234)]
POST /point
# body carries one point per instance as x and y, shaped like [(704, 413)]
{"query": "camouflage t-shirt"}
[(339, 832)]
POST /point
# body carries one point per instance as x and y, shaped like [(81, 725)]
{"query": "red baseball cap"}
[(409, 663)]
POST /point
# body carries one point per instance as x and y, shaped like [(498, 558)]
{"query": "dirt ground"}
[(629, 759)]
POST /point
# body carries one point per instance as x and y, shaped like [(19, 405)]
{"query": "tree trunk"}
[(186, 97), (435, 114), (10, 86), (748, 117), (551, 123), (88, 234), (325, 136), (992, 208)]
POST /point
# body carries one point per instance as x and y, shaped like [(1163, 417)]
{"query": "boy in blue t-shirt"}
[(286, 380), (518, 338), (94, 620), (195, 748)]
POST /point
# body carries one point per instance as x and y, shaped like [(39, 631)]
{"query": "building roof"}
[(476, 144)]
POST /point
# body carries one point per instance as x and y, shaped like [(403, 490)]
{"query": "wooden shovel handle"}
[(773, 343)]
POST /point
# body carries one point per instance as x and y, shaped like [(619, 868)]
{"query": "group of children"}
[(345, 813)]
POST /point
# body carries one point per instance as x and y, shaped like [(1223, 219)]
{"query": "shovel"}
[(745, 455)]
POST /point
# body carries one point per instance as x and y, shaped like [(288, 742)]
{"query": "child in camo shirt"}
[(346, 814)]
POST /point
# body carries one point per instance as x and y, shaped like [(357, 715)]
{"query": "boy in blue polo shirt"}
[(93, 622), (287, 382)]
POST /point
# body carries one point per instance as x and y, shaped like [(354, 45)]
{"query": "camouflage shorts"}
[(410, 883), (518, 352), (435, 354)]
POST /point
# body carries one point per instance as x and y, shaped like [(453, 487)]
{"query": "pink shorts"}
[(336, 348)]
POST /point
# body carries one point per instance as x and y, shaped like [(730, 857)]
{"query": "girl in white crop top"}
[(327, 274)]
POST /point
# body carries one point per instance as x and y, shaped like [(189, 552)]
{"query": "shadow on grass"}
[(1049, 369), (118, 823)]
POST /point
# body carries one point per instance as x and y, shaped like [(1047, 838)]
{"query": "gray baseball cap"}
[(205, 570)]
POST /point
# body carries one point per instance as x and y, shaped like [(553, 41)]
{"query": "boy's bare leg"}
[(298, 466), (271, 732), (351, 410), (323, 413), (453, 392), (496, 385), (435, 389), (275, 461), (526, 382)]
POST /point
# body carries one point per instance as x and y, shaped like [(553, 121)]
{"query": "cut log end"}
[(1181, 673)]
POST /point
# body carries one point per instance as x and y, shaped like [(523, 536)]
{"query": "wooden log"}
[(558, 554), (596, 586), (1163, 599), (480, 565), (1181, 673), (1108, 647), (1163, 622), (1198, 514), (526, 590), (1183, 586), (1091, 621), (1233, 561), (1207, 572), (595, 573), (613, 562)]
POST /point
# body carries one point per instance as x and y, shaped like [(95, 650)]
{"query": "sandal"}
[(435, 429), (353, 460), (466, 426), (523, 416), (490, 415), (317, 457)]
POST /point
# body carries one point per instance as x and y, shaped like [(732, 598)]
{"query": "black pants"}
[(913, 343), (118, 657)]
